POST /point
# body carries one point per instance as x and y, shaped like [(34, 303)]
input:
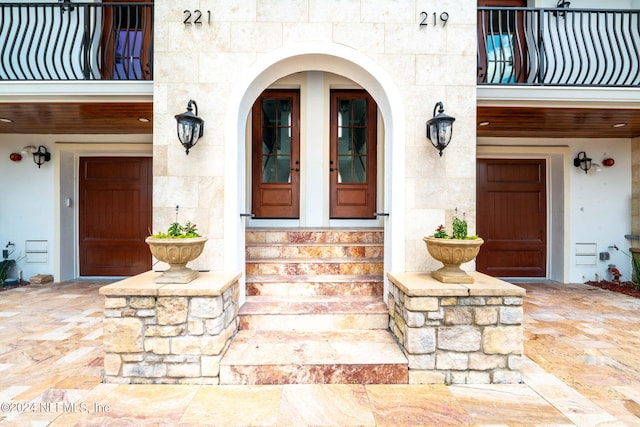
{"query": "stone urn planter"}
[(176, 252), (452, 253)]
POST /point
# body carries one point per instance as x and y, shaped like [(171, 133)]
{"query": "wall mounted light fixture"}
[(41, 156), (439, 128), (190, 126), (582, 161)]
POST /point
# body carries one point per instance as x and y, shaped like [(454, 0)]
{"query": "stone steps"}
[(299, 285), (304, 357), (317, 266), (314, 311)]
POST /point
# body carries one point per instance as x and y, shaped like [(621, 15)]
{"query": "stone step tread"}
[(315, 244), (343, 260), (270, 251), (320, 235), (282, 305), (364, 347), (303, 278)]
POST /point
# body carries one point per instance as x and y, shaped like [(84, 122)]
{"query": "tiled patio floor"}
[(583, 368)]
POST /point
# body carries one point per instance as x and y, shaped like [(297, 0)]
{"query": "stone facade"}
[(249, 46), (169, 334), (457, 333)]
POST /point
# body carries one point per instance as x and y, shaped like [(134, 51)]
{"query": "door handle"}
[(296, 169), (330, 168)]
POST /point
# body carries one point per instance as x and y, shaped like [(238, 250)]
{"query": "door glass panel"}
[(352, 147), (276, 140), (500, 47), (500, 58)]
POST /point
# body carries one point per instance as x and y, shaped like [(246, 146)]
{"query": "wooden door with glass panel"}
[(502, 42), (276, 155), (127, 40), (353, 155)]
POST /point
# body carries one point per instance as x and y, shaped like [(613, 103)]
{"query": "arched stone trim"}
[(326, 57)]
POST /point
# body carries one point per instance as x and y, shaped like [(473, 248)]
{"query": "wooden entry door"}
[(275, 190), (512, 217), (353, 154), (114, 215)]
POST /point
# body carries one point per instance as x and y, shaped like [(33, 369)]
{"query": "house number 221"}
[(196, 17), (444, 17)]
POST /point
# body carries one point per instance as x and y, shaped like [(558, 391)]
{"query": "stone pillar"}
[(457, 333), (169, 333)]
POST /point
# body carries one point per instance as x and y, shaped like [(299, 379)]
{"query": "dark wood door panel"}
[(275, 173), (114, 215), (512, 217), (353, 154)]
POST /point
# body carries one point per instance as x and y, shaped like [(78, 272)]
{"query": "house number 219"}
[(444, 17), (195, 17)]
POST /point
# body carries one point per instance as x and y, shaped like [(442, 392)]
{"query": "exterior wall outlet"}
[(604, 256)]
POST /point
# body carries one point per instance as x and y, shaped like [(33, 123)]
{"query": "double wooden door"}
[(276, 164)]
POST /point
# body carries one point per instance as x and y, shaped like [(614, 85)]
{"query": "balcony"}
[(67, 41), (558, 47)]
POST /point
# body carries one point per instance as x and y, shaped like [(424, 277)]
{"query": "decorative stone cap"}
[(207, 284), (422, 284)]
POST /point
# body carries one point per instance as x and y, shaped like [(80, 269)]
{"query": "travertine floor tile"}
[(331, 404), (509, 404), (234, 406), (416, 405)]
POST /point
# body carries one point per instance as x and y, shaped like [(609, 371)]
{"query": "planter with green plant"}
[(178, 246), (453, 250)]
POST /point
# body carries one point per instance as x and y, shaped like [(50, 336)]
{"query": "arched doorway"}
[(323, 58)]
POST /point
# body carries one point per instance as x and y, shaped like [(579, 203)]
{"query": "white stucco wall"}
[(27, 204), (600, 208)]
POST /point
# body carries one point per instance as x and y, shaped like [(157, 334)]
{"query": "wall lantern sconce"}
[(190, 126), (41, 155), (439, 128), (582, 161)]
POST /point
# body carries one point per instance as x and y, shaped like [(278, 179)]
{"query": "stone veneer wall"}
[(457, 333), (169, 334)]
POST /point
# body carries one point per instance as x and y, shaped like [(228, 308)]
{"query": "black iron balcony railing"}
[(76, 41), (558, 47)]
